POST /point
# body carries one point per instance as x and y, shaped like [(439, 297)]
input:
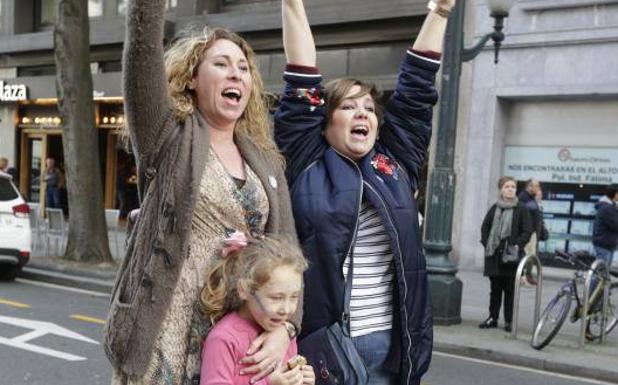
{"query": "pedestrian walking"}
[(352, 194), (253, 289), (605, 226), (505, 231), (207, 167)]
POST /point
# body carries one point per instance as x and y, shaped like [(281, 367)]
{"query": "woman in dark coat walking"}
[(507, 220)]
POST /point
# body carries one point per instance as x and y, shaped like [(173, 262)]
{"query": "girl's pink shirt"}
[(228, 342)]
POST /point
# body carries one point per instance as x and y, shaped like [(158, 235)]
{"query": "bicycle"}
[(557, 309)]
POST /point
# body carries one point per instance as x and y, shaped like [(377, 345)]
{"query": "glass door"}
[(35, 161)]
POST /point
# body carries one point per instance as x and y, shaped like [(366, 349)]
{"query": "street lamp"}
[(445, 287)]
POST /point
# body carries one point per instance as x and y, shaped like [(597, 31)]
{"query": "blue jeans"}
[(52, 197), (374, 349), (607, 256)]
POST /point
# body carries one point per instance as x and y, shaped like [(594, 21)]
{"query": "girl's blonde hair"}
[(253, 265), (182, 60)]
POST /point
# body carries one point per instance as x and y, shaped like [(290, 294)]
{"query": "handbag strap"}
[(345, 317)]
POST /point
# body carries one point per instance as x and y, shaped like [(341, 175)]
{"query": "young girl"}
[(249, 291)]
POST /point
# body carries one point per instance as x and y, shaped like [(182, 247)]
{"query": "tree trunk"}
[(87, 239)]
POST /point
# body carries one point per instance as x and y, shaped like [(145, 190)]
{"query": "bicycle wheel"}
[(552, 318), (594, 320)]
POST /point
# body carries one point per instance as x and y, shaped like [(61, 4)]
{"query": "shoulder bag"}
[(510, 254), (330, 350)]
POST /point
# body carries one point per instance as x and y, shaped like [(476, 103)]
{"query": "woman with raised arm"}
[(352, 181), (207, 168)]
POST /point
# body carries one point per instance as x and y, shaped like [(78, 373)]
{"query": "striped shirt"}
[(371, 302)]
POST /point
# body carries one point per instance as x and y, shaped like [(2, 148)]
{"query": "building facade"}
[(364, 39), (548, 110)]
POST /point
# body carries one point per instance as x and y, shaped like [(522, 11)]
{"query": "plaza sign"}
[(576, 165), (12, 92)]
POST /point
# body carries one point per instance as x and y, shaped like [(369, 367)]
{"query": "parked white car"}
[(15, 232)]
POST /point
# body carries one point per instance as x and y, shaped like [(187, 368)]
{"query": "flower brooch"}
[(385, 165), (312, 95)]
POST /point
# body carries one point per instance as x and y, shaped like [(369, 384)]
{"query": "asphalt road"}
[(51, 335), (38, 344)]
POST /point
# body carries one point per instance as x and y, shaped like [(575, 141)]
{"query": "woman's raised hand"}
[(265, 353), (297, 38), (448, 4)]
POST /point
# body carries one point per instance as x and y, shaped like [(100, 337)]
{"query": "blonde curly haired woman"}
[(207, 168)]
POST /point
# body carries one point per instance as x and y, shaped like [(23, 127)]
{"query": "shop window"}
[(122, 5), (47, 11)]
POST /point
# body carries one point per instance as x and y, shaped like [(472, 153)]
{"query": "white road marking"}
[(41, 350), (60, 287), (39, 329), (523, 368)]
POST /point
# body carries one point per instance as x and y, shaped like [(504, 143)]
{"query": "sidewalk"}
[(563, 355)]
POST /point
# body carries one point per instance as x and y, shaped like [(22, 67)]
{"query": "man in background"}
[(605, 227), (531, 198), (4, 167), (52, 184)]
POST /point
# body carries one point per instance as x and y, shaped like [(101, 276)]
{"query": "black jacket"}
[(536, 215), (521, 230), (605, 228)]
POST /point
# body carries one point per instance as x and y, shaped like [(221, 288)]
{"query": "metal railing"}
[(522, 270), (598, 268)]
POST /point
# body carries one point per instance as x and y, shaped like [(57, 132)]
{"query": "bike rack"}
[(538, 289), (601, 267)]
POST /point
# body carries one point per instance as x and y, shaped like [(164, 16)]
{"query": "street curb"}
[(73, 271), (493, 355), (67, 279)]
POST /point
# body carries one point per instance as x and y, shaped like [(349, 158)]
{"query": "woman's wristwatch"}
[(291, 329), (438, 9)]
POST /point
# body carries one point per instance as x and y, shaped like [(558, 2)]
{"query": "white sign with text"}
[(576, 165)]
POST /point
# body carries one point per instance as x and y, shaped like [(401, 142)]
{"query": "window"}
[(95, 8), (110, 66), (7, 191), (122, 5), (39, 70), (49, 10)]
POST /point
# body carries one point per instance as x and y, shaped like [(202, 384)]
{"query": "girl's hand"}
[(308, 375), (265, 353), (289, 377)]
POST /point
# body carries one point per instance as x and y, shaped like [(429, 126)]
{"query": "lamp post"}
[(445, 287)]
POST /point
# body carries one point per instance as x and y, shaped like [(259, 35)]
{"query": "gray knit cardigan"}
[(159, 242)]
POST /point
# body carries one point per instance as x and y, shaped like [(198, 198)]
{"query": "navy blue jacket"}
[(327, 190), (605, 228)]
